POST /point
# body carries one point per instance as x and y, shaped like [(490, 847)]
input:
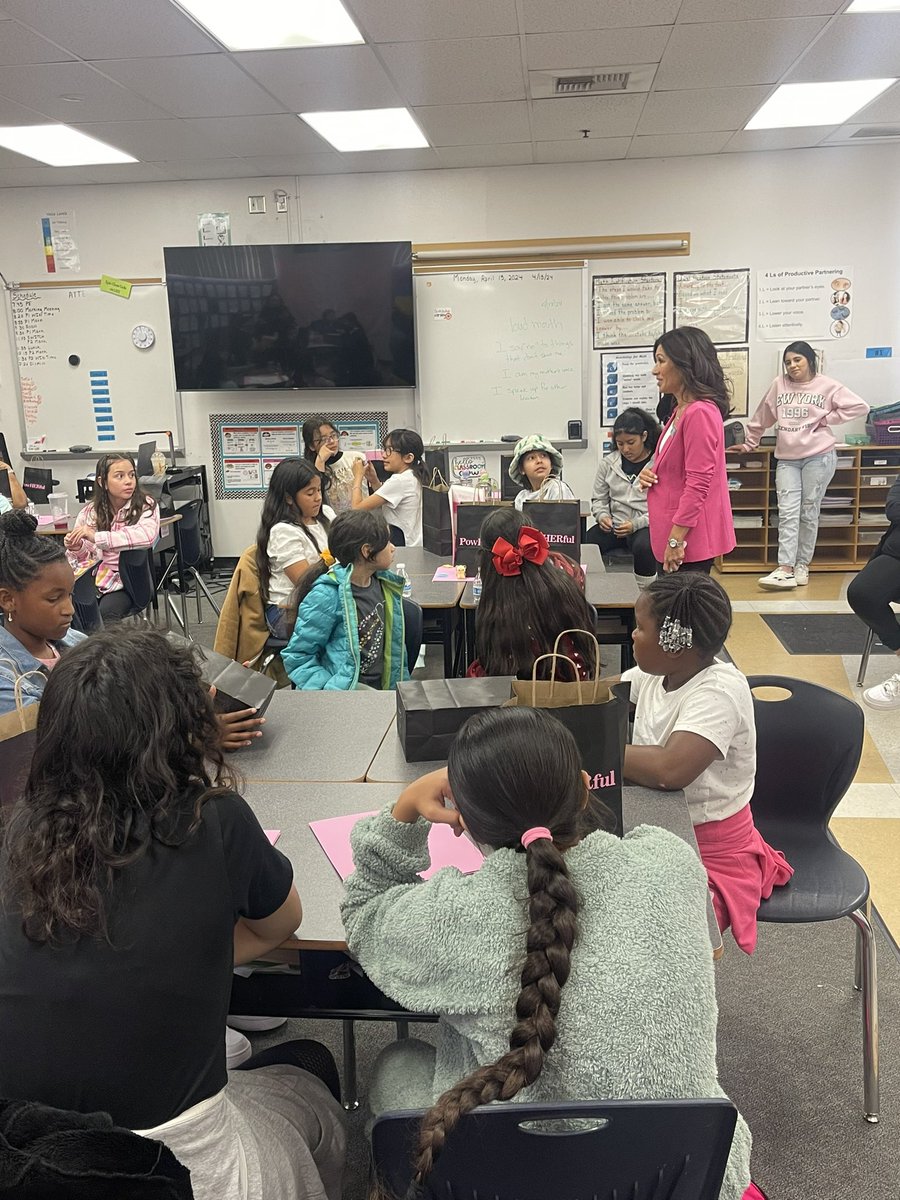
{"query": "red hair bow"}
[(507, 559)]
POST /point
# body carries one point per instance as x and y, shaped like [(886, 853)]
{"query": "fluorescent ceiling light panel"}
[(274, 24), (368, 129), (876, 6), (59, 146), (795, 104)]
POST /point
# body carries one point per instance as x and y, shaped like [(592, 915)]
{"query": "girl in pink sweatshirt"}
[(805, 406)]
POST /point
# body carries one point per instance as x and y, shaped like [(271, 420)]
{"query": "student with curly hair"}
[(573, 964)]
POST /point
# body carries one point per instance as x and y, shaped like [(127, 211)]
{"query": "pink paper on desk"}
[(273, 835), (44, 519), (333, 835), (447, 574)]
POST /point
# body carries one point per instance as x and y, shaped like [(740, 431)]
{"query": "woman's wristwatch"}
[(674, 544)]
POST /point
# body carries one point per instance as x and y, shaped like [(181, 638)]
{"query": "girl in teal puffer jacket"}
[(349, 629)]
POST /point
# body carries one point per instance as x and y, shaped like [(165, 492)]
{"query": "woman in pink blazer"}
[(688, 502)]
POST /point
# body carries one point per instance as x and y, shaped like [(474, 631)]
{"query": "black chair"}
[(190, 554), (398, 537), (864, 661), (639, 1149), (87, 617), (136, 573), (413, 631), (808, 748)]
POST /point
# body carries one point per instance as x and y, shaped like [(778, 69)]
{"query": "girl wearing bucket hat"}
[(536, 466)]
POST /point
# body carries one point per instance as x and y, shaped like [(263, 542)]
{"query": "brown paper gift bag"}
[(17, 736)]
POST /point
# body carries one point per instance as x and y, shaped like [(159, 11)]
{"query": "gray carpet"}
[(821, 633)]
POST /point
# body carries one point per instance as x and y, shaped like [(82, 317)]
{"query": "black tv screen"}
[(324, 315)]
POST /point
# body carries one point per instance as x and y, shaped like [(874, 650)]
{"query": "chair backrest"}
[(808, 746), (639, 1149), (398, 537), (188, 531), (413, 631), (87, 608), (137, 577)]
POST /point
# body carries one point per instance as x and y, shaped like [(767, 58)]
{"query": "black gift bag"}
[(437, 521), (430, 712), (37, 484), (595, 713), (237, 687), (467, 536), (436, 457), (560, 523)]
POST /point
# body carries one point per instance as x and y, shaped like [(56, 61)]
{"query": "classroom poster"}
[(626, 382), (240, 473), (240, 439), (628, 310), (58, 237), (279, 441), (814, 302), (735, 362), (214, 229), (718, 302), (359, 435)]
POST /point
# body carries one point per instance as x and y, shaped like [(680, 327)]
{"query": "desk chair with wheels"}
[(136, 573), (808, 748), (658, 1149), (187, 536)]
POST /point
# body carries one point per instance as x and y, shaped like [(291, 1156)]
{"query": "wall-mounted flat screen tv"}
[(324, 315)]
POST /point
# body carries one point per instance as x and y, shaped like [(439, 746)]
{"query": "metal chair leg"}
[(350, 1096), (198, 579), (857, 959), (864, 661), (869, 980)]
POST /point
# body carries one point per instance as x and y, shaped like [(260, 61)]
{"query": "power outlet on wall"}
[(256, 204)]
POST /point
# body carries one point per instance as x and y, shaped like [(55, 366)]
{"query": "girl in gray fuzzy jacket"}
[(600, 944)]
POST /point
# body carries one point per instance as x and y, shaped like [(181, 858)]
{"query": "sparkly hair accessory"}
[(675, 637), (508, 559)]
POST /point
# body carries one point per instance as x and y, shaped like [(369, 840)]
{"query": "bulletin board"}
[(82, 381)]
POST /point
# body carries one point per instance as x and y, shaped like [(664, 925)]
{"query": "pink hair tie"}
[(535, 834)]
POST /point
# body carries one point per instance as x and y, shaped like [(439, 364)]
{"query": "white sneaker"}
[(885, 695), (777, 581), (801, 574), (255, 1024), (237, 1048)]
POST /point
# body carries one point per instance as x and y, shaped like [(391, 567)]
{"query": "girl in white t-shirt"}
[(402, 493), (293, 534), (694, 729)]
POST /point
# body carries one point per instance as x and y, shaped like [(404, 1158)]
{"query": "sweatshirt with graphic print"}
[(803, 414)]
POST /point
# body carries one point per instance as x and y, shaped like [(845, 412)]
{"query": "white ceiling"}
[(142, 76)]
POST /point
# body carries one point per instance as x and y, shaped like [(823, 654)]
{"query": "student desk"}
[(310, 736), (438, 601)]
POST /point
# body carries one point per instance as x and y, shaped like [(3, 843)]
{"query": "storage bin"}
[(884, 431)]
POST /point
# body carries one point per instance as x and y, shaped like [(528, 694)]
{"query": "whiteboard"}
[(500, 352), (115, 389)]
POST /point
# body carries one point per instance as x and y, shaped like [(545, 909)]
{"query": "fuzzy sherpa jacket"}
[(638, 1013)]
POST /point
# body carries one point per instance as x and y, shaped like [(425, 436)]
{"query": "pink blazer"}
[(692, 487)]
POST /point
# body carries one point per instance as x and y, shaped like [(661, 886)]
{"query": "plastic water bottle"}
[(476, 587), (407, 582)]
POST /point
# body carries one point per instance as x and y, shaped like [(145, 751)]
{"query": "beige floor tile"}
[(875, 844), (823, 585), (870, 800)]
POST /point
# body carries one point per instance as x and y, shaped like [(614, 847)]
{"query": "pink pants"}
[(753, 1193)]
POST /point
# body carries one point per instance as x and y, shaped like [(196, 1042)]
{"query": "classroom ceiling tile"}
[(849, 135), (193, 85), (95, 29), (605, 116), (140, 172), (44, 87), (737, 10), (280, 165), (584, 150), (702, 110), (209, 168), (20, 45), (596, 48), (732, 53), (461, 71), (776, 139), (860, 46), (539, 16), (44, 176), (14, 114), (390, 160), (671, 145), (322, 78), (885, 108), (474, 124), (154, 141), (513, 154), (415, 21), (250, 137)]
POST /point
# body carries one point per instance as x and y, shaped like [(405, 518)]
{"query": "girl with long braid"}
[(694, 729), (566, 967)]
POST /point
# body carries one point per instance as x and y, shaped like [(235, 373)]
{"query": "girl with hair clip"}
[(617, 502), (292, 537), (36, 609), (135, 878), (694, 730), (402, 493), (121, 516), (350, 631), (688, 500), (322, 448), (530, 594), (536, 467), (806, 407), (531, 963)]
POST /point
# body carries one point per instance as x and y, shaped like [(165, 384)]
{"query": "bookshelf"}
[(859, 488)]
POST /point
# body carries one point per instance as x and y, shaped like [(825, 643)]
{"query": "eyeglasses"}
[(329, 437)]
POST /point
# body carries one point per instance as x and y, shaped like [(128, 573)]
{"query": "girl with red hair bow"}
[(530, 594)]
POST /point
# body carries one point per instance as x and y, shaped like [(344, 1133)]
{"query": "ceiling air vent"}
[(591, 81), (877, 131)]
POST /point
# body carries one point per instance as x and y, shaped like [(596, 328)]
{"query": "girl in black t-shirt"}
[(135, 879)]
